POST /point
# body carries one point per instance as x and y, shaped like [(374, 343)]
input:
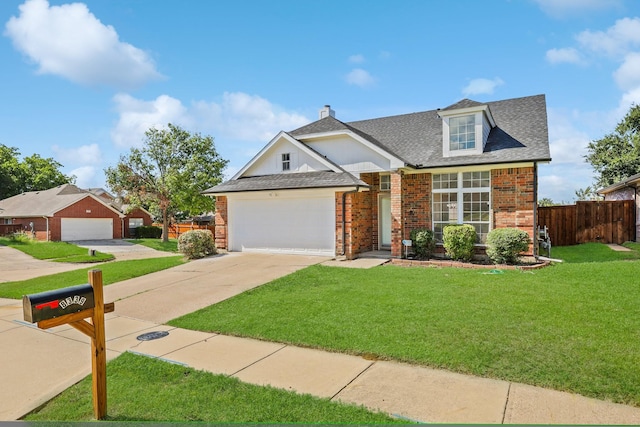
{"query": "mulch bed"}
[(459, 264)]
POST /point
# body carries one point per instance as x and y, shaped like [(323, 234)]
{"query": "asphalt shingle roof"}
[(287, 181)]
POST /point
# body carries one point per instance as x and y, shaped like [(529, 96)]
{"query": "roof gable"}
[(46, 203)]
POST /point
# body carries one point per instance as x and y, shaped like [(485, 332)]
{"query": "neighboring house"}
[(70, 213), (626, 189), (335, 188)]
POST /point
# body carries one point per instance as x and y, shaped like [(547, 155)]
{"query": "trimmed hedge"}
[(197, 244), (148, 232), (423, 242), (458, 241), (504, 245)]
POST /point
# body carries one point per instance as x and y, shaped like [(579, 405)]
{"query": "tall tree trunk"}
[(165, 226)]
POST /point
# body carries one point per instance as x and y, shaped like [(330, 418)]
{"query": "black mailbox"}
[(50, 304)]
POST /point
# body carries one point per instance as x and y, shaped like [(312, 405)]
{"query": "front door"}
[(384, 221)]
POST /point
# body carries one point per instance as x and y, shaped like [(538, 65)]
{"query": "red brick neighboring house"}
[(336, 188), (626, 189), (69, 213)]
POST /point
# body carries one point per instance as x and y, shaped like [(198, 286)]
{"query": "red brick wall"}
[(397, 226), (79, 210), (136, 213), (360, 219), (416, 206), (221, 230), (513, 198)]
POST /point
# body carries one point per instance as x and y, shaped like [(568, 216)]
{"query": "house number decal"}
[(76, 299)]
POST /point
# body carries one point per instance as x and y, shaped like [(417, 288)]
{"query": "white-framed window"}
[(286, 161), (462, 133), (385, 182), (462, 198)]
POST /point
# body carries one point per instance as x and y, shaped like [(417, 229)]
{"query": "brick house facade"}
[(380, 179)]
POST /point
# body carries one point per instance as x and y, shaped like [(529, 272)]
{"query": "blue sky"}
[(81, 82)]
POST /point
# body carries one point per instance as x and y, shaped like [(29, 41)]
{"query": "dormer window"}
[(465, 128), (286, 161), (462, 133)]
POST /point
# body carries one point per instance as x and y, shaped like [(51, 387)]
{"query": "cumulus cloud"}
[(137, 116), (615, 41), (356, 59), (360, 77), (86, 177), (565, 55), (567, 8), (566, 142), (238, 117), (628, 75), (80, 155), (481, 86), (69, 41)]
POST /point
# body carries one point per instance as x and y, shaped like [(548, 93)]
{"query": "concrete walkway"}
[(36, 365)]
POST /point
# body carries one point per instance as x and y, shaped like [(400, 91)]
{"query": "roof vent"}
[(326, 111)]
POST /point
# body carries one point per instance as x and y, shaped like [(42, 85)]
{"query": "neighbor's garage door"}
[(86, 229), (293, 221)]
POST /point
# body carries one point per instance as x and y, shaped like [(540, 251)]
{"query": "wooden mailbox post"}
[(72, 306)]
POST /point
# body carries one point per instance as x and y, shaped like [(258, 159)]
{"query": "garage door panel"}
[(86, 229), (286, 225)]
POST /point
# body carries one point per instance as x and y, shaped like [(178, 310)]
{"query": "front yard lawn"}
[(573, 326), (112, 272), (55, 251), (143, 389), (157, 244)]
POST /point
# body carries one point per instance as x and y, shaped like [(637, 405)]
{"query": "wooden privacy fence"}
[(175, 230), (605, 222)]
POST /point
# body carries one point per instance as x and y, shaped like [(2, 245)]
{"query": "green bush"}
[(197, 244), (505, 244), (458, 240), (148, 232), (423, 242)]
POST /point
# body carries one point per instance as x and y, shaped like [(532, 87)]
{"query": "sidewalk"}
[(411, 392), (36, 365)]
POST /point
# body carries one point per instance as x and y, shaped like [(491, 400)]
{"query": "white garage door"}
[(301, 222), (86, 229)]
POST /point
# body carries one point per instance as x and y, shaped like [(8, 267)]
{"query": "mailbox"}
[(50, 304)]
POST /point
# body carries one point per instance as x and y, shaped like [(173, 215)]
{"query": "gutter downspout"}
[(344, 219)]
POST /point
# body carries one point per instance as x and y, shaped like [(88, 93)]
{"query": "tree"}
[(168, 173), (616, 156), (545, 201), (33, 173), (586, 194)]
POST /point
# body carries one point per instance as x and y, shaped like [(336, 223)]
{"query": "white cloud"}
[(137, 116), (628, 75), (568, 55), (384, 55), (481, 86), (86, 177), (356, 59), (238, 117), (566, 142), (69, 41), (81, 155), (615, 41), (360, 77), (568, 8)]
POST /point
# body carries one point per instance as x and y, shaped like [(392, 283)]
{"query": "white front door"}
[(384, 221)]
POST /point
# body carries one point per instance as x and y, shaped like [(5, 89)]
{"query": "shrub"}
[(458, 240), (505, 244), (423, 242), (148, 232), (197, 244)]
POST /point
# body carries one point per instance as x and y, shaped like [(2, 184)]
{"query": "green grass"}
[(55, 251), (157, 244), (150, 390), (112, 272), (594, 252), (573, 326)]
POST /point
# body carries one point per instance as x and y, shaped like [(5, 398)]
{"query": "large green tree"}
[(168, 173), (32, 173), (616, 156)]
